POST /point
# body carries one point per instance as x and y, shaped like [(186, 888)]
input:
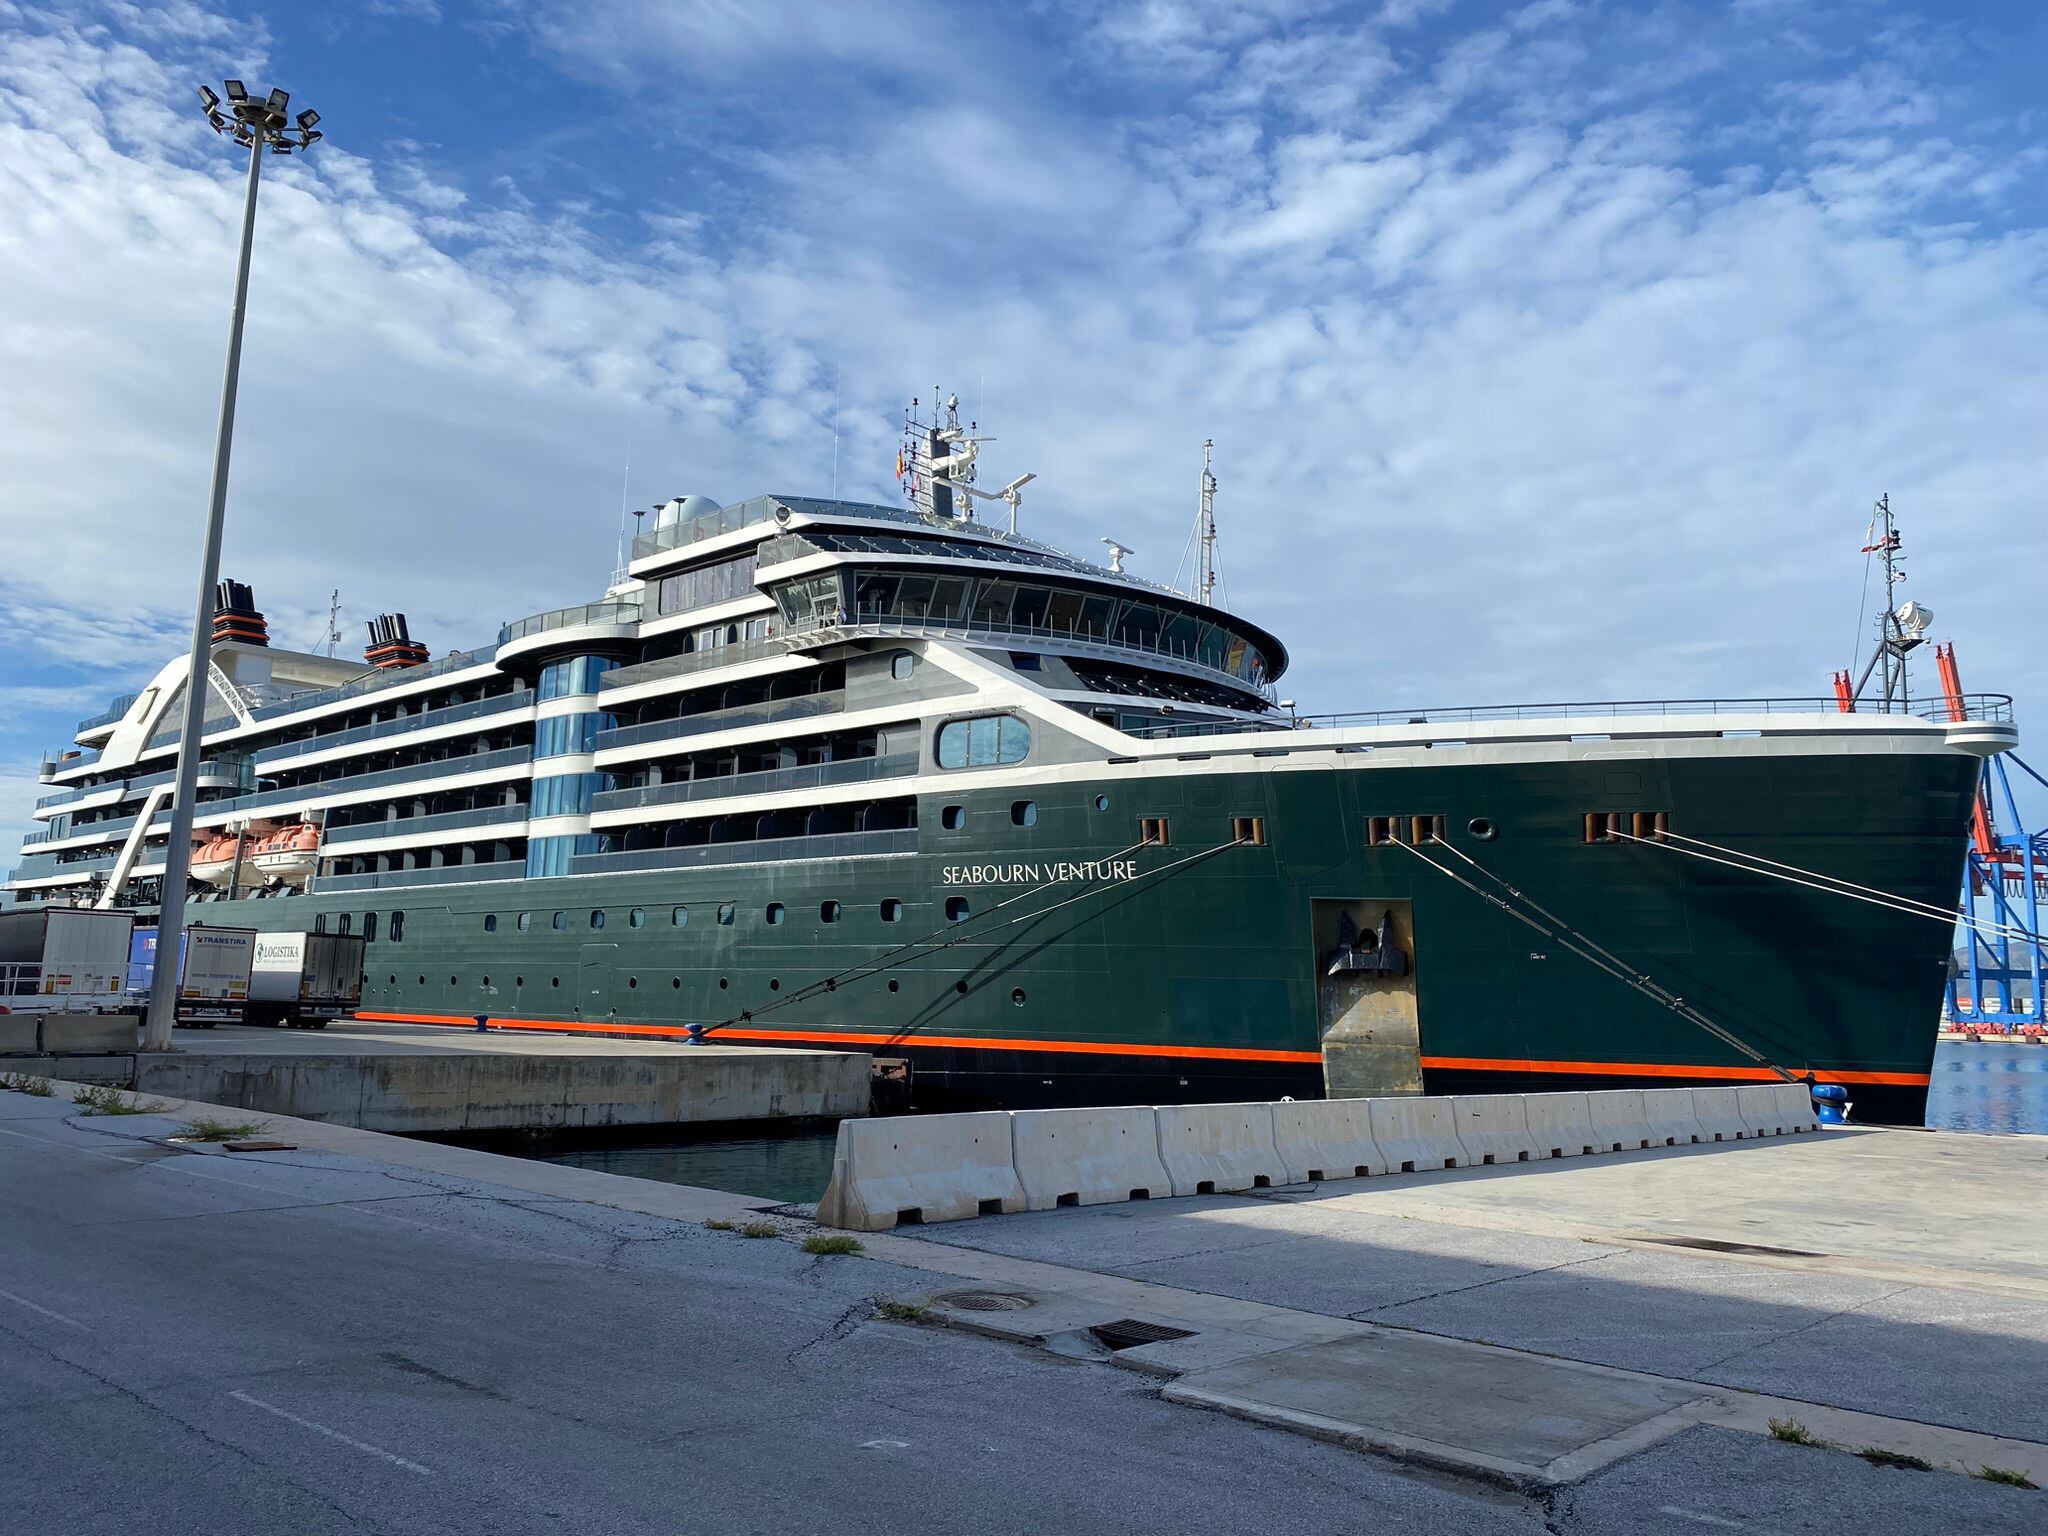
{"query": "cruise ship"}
[(1032, 830)]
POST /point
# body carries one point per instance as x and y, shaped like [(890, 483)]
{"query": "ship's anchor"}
[(1365, 954)]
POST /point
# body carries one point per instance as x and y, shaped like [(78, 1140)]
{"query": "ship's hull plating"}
[(1116, 973)]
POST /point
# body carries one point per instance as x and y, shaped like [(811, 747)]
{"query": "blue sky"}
[(1551, 351)]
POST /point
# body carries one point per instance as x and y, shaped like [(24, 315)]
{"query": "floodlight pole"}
[(163, 989)]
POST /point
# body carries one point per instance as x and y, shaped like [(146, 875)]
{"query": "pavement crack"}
[(1370, 1314), (842, 1325), (1790, 1333)]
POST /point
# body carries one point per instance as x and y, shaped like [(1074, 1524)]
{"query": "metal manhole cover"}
[(986, 1301)]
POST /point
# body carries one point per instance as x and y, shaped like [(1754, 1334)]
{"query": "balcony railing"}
[(110, 714), (739, 717), (688, 662), (480, 818), (565, 618), (695, 530), (767, 850), (398, 879), (404, 725), (375, 681), (440, 768), (1992, 707), (852, 770)]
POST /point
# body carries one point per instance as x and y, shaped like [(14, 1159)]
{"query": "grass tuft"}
[(102, 1100), (1792, 1432), (1899, 1459), (207, 1129), (902, 1311), (21, 1082), (719, 1224), (821, 1243), (2009, 1478), (758, 1229)]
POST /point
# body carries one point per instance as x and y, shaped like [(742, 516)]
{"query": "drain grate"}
[(1129, 1333), (985, 1301), (1720, 1245)]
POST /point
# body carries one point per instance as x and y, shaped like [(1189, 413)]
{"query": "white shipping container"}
[(64, 957), (305, 977), (218, 962)]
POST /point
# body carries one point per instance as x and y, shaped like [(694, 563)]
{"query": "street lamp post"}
[(258, 124)]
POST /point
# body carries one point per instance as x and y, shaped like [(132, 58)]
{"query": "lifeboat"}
[(213, 861), (289, 854)]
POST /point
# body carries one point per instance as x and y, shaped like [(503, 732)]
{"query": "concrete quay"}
[(417, 1079), (370, 1332)]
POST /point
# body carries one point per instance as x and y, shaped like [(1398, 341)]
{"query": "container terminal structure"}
[(1038, 831)]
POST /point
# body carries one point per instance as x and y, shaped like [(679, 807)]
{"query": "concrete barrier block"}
[(1671, 1119), (1215, 1148), (920, 1168), (1764, 1110), (1327, 1139), (1087, 1156), (1560, 1125), (1795, 1107), (1620, 1121), (87, 1033), (18, 1034), (1492, 1128), (1719, 1114), (1415, 1134)]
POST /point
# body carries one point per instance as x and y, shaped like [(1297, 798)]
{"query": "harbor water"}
[(1997, 1088)]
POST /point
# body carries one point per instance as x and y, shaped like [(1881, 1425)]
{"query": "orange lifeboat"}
[(214, 860), (290, 853)]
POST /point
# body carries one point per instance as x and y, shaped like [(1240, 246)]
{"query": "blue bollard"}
[(1830, 1103), (696, 1034), (483, 1023)]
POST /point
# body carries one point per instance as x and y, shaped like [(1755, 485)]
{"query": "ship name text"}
[(1038, 874)]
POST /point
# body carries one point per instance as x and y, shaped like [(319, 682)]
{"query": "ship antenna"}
[(1208, 527), (625, 486), (1901, 627), (333, 621)]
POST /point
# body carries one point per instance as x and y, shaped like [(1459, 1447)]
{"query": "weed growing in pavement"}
[(820, 1243), (102, 1100), (719, 1224), (758, 1229), (21, 1082), (902, 1311), (222, 1130), (1792, 1432), (2010, 1479)]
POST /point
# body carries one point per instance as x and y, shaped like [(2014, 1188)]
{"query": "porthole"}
[(490, 922), (423, 981), (723, 983), (895, 986), (1102, 802), (774, 984), (892, 911), (1482, 829), (597, 917), (1024, 813), (637, 918), (390, 981), (484, 983), (518, 981), (675, 983), (953, 817), (554, 981), (1017, 996), (828, 911), (451, 981), (960, 987), (956, 909), (776, 913), (632, 981)]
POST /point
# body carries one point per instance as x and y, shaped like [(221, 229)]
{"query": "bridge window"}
[(983, 742)]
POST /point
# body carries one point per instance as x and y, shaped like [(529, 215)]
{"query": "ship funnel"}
[(390, 644), (235, 616)]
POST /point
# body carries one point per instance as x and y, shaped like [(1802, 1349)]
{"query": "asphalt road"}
[(307, 1343)]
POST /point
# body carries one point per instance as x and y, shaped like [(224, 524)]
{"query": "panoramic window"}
[(983, 742)]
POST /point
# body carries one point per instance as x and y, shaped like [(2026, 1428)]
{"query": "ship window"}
[(1249, 829), (597, 917), (724, 982), (560, 921), (675, 983), (680, 917), (397, 926), (1102, 802), (1482, 829), (774, 983), (343, 922), (983, 742), (1024, 813), (525, 921), (956, 909), (725, 914), (637, 918), (776, 913), (892, 910), (901, 666), (1017, 996), (828, 911), (1154, 831), (490, 922), (320, 923), (554, 981), (894, 985), (632, 981), (953, 817), (369, 927)]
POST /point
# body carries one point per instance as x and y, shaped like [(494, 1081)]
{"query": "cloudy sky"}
[(1551, 351)]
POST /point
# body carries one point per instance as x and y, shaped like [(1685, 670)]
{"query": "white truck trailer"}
[(213, 974), (302, 980), (64, 959)]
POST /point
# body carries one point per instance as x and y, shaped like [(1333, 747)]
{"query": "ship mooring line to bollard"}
[(958, 933), (1833, 885), (1593, 954)]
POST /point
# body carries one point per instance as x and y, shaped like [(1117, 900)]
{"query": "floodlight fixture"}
[(253, 120), (206, 95), (278, 100), (308, 119), (237, 92)]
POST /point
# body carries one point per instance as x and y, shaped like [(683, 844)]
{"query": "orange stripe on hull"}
[(1664, 1069)]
